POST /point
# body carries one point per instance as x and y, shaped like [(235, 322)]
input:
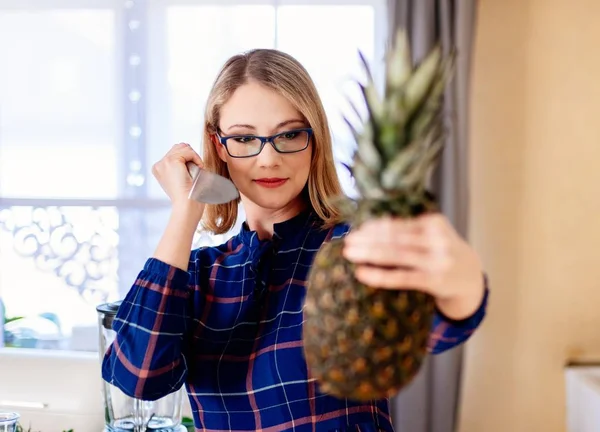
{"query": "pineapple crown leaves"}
[(402, 137)]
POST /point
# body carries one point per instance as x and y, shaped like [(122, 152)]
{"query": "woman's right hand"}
[(173, 176)]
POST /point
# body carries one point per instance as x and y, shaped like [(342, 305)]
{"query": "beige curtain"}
[(430, 403)]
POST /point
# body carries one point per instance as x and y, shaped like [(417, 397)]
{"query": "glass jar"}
[(9, 421), (124, 413)]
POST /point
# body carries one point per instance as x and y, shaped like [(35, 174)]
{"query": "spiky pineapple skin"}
[(363, 342)]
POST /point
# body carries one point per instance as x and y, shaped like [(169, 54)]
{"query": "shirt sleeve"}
[(448, 333), (146, 359)]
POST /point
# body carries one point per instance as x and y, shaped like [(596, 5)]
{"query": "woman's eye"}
[(244, 140), (290, 135)]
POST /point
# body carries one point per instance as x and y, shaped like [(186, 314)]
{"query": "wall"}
[(535, 162)]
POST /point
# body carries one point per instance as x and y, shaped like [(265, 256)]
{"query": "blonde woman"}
[(226, 321)]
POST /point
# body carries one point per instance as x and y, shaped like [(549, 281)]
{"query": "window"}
[(92, 93)]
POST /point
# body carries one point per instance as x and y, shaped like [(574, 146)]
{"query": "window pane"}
[(61, 262), (329, 51), (197, 41), (59, 138), (50, 168), (57, 261), (58, 112)]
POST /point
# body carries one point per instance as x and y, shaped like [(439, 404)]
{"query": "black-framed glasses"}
[(242, 146)]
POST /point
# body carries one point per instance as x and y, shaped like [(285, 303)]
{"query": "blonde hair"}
[(285, 75)]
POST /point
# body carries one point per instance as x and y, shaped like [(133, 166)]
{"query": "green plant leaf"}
[(188, 423)]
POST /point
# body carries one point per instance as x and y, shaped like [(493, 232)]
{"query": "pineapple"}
[(363, 342)]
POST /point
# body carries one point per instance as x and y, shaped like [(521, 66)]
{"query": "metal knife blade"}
[(210, 188)]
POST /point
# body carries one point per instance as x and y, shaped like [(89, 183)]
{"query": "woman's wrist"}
[(188, 211), (464, 306)]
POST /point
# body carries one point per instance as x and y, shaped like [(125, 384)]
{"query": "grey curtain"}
[(430, 403)]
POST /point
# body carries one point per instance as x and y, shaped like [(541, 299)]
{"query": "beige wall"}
[(535, 208)]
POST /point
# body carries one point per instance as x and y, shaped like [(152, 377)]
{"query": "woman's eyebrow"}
[(287, 122), (278, 126)]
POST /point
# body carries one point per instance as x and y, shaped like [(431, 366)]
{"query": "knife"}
[(210, 188)]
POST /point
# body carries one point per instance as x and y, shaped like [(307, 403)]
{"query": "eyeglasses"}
[(242, 146)]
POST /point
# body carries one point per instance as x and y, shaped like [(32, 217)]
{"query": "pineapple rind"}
[(364, 342), (385, 335)]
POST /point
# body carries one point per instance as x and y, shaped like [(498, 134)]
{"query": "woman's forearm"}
[(176, 242)]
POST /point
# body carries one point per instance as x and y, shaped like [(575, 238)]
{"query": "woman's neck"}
[(262, 220)]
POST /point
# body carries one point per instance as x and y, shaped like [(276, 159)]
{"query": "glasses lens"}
[(291, 141), (243, 146)]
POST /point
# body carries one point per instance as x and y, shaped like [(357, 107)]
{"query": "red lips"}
[(270, 182)]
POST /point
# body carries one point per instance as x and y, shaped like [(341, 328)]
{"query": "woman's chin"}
[(272, 204), (271, 200)]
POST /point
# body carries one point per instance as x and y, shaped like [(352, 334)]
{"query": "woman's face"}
[(271, 180)]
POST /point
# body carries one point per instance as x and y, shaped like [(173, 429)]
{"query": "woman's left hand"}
[(423, 253)]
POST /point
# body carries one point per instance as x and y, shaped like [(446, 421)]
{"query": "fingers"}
[(173, 174), (403, 239), (179, 154), (426, 233), (188, 153), (197, 160), (398, 255), (401, 248), (422, 253), (395, 278), (185, 153)]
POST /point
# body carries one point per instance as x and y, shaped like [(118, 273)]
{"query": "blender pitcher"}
[(124, 413), (9, 421)]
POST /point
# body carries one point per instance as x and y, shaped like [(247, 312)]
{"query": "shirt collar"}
[(282, 230)]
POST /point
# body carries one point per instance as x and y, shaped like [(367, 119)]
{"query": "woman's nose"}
[(269, 156)]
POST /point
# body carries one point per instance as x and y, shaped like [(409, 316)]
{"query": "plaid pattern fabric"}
[(230, 330)]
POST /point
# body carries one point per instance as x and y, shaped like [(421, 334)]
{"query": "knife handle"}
[(193, 169)]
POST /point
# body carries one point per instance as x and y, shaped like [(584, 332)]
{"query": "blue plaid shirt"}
[(230, 329)]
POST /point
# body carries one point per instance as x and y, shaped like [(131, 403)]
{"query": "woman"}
[(227, 321)]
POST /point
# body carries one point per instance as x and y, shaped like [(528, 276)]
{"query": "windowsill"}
[(47, 354), (52, 390), (55, 390)]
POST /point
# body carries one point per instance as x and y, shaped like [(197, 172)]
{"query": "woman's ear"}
[(221, 150)]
